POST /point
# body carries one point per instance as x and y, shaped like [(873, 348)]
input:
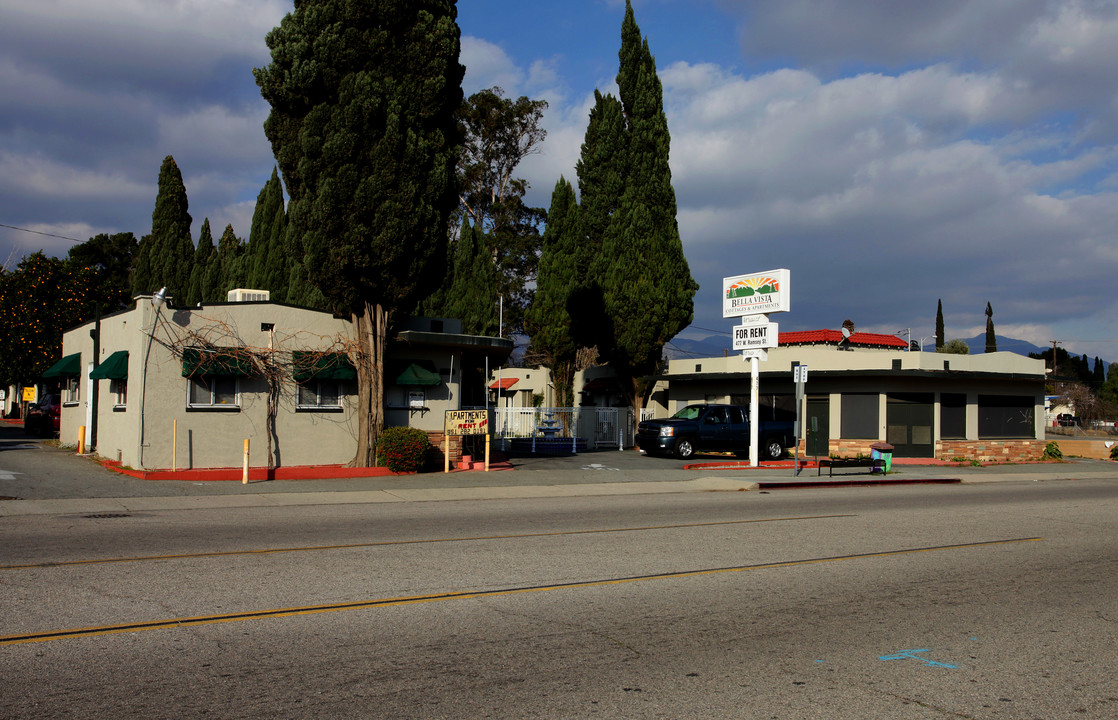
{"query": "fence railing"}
[(600, 427)]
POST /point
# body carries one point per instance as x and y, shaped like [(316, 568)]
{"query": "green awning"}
[(115, 367), (69, 366), (217, 361), (416, 375), (310, 365)]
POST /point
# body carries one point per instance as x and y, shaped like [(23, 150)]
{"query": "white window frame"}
[(73, 390), (119, 390), (211, 383), (303, 391)]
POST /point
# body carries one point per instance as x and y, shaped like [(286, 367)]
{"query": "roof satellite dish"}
[(847, 330)]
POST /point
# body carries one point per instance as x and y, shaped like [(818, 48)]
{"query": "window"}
[(1006, 416), (320, 394), (213, 391), (73, 390), (859, 416), (953, 416), (119, 390)]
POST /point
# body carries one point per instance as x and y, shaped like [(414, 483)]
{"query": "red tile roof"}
[(833, 337)]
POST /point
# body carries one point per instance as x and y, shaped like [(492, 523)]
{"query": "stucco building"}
[(984, 407), (185, 387)]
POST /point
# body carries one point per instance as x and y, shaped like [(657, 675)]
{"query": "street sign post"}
[(799, 375), (751, 298)]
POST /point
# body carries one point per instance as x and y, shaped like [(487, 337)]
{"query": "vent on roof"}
[(246, 295)]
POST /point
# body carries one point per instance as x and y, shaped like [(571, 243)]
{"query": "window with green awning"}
[(310, 365), (114, 367), (69, 366), (227, 362)]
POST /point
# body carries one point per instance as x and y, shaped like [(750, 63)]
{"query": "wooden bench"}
[(874, 464)]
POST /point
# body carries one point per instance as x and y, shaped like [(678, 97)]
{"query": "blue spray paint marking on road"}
[(903, 654)]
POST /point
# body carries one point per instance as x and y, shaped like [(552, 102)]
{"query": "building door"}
[(817, 428), (908, 424)]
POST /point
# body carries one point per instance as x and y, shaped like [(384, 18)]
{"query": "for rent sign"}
[(756, 293), (466, 422)]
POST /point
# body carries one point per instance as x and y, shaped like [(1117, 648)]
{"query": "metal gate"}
[(614, 427)]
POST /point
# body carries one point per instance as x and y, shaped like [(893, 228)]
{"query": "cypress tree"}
[(601, 175), (171, 250), (266, 255), (647, 287), (939, 326), (142, 280), (364, 96), (203, 258), (226, 271), (472, 294), (991, 339), (548, 320)]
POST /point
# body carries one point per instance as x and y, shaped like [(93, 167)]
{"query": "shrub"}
[(1114, 453), (1052, 452), (403, 449)]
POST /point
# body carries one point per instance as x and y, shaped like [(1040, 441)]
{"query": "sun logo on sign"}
[(753, 286)]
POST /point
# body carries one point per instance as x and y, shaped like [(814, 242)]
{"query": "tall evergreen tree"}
[(203, 258), (1098, 374), (548, 321), (939, 326), (266, 261), (170, 249), (647, 287), (226, 271), (363, 128), (601, 172), (472, 295), (991, 339)]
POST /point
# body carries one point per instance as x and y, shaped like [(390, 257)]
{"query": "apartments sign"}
[(756, 293)]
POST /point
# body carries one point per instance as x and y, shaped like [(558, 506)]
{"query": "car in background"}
[(44, 417)]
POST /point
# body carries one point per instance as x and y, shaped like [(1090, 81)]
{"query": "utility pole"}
[(1054, 344)]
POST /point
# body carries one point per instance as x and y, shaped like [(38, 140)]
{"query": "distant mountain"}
[(977, 345)]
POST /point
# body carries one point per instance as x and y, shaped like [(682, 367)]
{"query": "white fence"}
[(601, 427)]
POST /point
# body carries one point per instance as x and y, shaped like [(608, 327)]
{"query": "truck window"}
[(737, 417)]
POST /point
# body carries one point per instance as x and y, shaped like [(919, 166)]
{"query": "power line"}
[(61, 237)]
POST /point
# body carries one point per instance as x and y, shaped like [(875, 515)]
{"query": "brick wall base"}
[(991, 450), (1024, 450), (436, 440)]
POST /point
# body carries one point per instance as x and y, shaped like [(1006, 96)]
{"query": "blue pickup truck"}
[(712, 428)]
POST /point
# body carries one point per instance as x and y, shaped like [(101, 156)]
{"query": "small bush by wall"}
[(403, 449)]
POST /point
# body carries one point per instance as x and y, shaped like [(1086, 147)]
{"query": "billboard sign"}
[(756, 293)]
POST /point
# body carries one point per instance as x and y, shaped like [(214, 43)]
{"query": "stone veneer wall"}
[(1022, 450), (991, 450)]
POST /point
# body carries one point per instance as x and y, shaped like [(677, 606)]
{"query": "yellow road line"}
[(417, 599), (319, 548)]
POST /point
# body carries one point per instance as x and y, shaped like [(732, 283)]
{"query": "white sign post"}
[(799, 375), (752, 297)]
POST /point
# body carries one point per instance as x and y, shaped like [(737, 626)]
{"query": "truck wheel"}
[(773, 450), (684, 449)]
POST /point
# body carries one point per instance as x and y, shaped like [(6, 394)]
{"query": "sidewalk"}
[(599, 473)]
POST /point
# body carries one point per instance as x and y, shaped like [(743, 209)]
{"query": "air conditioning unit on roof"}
[(246, 295)]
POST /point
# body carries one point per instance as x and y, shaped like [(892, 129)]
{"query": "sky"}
[(890, 155)]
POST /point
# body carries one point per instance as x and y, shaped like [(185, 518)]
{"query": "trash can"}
[(882, 451)]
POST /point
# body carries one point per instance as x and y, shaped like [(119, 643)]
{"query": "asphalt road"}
[(976, 601)]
